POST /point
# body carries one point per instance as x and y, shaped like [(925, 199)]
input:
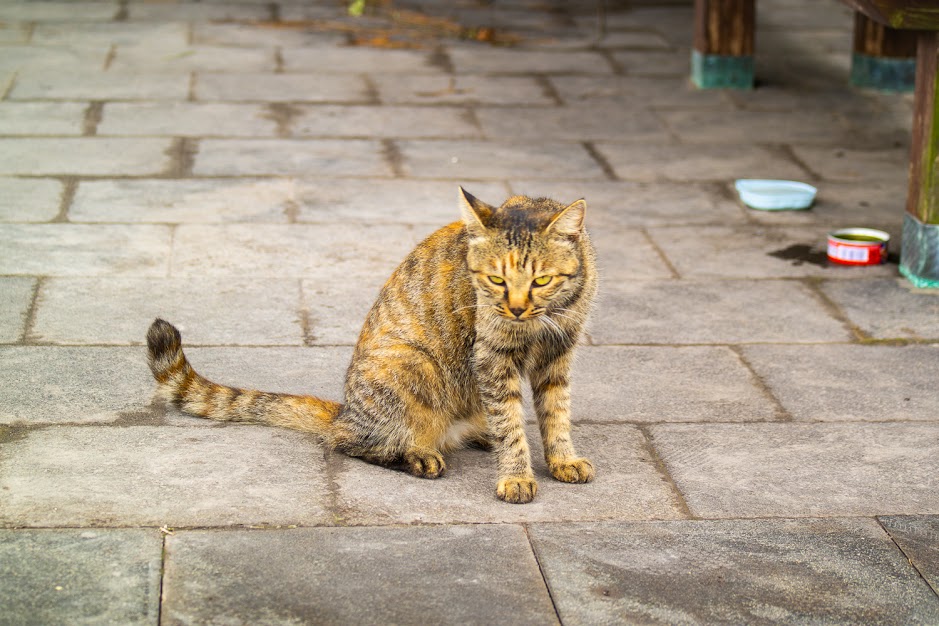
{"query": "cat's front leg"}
[(551, 389), (500, 389)]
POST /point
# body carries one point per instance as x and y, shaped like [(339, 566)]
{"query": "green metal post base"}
[(885, 74), (919, 256), (717, 71)]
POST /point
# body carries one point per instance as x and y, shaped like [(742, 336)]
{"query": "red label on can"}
[(872, 253)]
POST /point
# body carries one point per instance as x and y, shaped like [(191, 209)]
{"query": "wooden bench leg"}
[(884, 58), (723, 44), (919, 256)]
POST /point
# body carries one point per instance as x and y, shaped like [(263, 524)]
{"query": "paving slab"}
[(266, 34), (802, 126), (460, 89), (332, 59), (573, 123), (14, 33), (383, 121), (755, 252), (230, 475), (627, 254), (208, 12), (665, 384), (29, 199), (26, 60), (830, 571), (888, 308), (291, 250), (845, 165), (188, 119), (261, 87), (494, 160), (355, 575), (724, 311), (160, 58), (631, 92), (84, 83), (617, 204), (840, 205), (717, 162), (82, 250), (291, 157), (336, 306), (218, 310), (84, 156), (57, 11), (476, 60), (42, 118), (16, 297), (105, 34), (787, 470), (918, 537), (851, 382), (627, 486), (80, 576)]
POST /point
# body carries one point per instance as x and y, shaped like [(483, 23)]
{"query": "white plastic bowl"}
[(775, 195)]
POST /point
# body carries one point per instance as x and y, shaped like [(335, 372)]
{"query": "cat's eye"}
[(497, 280), (541, 281)]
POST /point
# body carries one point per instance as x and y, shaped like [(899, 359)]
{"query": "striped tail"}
[(195, 395)]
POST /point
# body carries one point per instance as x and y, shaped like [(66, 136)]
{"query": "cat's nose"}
[(517, 311)]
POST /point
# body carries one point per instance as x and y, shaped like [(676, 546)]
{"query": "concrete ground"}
[(765, 426)]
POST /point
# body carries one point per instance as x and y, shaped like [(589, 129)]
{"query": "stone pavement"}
[(765, 426)]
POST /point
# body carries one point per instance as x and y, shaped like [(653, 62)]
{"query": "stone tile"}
[(57, 11), (52, 385), (488, 576), (879, 204), (636, 40), (795, 470), (576, 123), (803, 127), (29, 60), (118, 310), (175, 476), (665, 384), (158, 58), (614, 205), (918, 537), (205, 12), (16, 296), (83, 156), (655, 63), (627, 254), (83, 250), (333, 59), (185, 201), (85, 84), (323, 157), (839, 164), (473, 59), (461, 89), (830, 571), (291, 250), (187, 119), (462, 160), (851, 382), (755, 252), (384, 121), (264, 34), (671, 162), (631, 92), (627, 486), (14, 33), (42, 118), (105, 34), (81, 576), (888, 308), (336, 306), (712, 311), (29, 199), (254, 87)]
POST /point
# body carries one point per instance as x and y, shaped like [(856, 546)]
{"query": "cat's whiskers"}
[(473, 306)]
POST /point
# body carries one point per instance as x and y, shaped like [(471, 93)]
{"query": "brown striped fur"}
[(475, 308)]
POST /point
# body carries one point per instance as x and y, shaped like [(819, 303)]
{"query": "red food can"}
[(858, 246)]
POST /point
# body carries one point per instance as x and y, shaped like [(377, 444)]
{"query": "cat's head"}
[(525, 256)]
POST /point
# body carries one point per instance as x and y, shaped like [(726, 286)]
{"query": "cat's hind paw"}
[(572, 470), (425, 463), (517, 489)]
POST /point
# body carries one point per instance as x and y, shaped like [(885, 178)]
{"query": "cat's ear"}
[(570, 221), (475, 212)]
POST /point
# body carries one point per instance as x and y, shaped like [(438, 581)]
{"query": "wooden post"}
[(723, 44), (884, 58), (919, 257)]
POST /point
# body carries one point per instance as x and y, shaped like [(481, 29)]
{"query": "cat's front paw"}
[(425, 463), (517, 489), (572, 470)]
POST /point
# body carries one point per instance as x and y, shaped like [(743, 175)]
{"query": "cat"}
[(500, 295)]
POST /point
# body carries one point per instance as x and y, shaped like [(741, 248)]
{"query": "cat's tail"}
[(195, 395)]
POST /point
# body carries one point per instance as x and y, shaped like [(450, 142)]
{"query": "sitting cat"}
[(439, 362)]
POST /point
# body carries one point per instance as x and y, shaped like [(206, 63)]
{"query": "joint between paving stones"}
[(544, 578), (658, 250), (122, 11), (109, 58), (92, 118), (648, 444), (548, 89), (782, 415), (278, 61), (26, 338), (182, 154), (333, 462), (786, 151), (393, 157), (907, 557), (441, 60), (273, 10), (814, 284), (595, 154), (69, 188), (282, 114)]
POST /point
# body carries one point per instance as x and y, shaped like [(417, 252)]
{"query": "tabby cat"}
[(478, 305)]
